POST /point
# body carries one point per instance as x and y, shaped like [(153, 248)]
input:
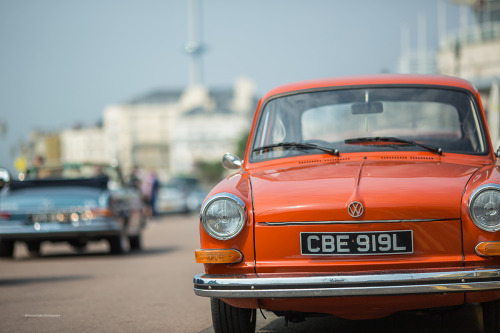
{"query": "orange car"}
[(357, 197)]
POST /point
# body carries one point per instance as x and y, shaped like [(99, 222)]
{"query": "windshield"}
[(75, 170), (373, 119)]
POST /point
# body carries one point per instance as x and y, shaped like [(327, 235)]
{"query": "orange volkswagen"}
[(357, 197)]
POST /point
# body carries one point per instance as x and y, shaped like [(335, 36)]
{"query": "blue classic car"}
[(75, 204)]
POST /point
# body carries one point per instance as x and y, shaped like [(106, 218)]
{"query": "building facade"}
[(84, 145), (473, 53), (170, 132)]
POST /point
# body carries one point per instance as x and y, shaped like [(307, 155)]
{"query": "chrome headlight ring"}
[(223, 216), (484, 207)]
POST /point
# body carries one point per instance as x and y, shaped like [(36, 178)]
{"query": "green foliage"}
[(210, 173), (242, 145)]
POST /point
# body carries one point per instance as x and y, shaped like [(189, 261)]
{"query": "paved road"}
[(150, 291)]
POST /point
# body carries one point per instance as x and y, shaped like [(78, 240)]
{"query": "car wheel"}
[(491, 316), (135, 242), (119, 244), (34, 248), (227, 318), (6, 249)]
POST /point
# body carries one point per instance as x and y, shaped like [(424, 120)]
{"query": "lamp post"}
[(194, 47)]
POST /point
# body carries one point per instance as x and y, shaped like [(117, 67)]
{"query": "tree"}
[(242, 144), (210, 173)]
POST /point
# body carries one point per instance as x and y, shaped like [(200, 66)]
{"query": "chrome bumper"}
[(407, 283), (50, 230)]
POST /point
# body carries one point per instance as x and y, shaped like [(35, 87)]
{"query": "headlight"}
[(223, 216), (484, 207)]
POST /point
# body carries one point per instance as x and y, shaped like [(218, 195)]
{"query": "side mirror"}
[(4, 177), (497, 154), (230, 161)]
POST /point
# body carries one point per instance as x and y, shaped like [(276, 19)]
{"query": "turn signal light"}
[(100, 212), (218, 256), (488, 249)]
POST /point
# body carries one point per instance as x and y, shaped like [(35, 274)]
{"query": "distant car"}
[(357, 197), (180, 195), (75, 203)]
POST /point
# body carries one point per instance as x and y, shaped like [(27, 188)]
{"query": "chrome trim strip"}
[(346, 285), (355, 222)]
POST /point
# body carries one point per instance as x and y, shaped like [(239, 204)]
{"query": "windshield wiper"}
[(300, 145), (432, 149)]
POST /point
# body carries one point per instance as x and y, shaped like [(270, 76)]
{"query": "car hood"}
[(388, 190)]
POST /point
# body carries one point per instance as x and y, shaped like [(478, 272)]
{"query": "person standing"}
[(149, 188), (155, 184)]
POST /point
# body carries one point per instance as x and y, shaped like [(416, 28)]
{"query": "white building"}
[(171, 131), (84, 145), (473, 53)]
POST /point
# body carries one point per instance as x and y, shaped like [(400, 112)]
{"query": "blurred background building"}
[(81, 144), (170, 132), (471, 52)]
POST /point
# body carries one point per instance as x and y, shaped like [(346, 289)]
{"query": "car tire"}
[(6, 249), (491, 316), (227, 318), (118, 244), (135, 242), (34, 248)]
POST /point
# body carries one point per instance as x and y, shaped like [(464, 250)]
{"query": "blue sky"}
[(62, 62)]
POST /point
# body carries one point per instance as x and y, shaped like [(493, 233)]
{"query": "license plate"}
[(356, 243)]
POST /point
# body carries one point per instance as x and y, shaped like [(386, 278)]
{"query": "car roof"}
[(378, 79)]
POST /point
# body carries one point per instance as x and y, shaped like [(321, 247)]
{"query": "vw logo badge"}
[(355, 209)]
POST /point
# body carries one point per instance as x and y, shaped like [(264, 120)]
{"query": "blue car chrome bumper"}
[(405, 283), (54, 230)]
